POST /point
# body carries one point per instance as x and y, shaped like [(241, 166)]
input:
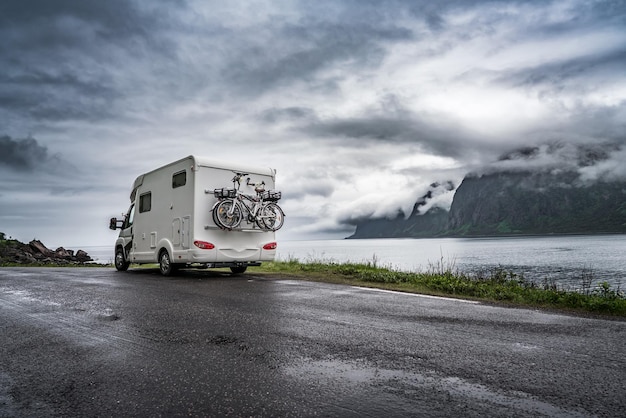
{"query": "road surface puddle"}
[(408, 385), (18, 296)]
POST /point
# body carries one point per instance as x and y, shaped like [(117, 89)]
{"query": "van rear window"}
[(179, 179), (145, 202)]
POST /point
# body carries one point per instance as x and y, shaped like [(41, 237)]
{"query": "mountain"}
[(431, 224), (418, 225), (536, 203), (513, 200)]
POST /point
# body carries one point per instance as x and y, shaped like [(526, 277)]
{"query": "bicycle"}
[(260, 210)]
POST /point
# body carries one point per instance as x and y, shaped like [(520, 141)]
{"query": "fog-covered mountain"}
[(550, 190), (419, 224)]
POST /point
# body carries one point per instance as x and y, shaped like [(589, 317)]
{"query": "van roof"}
[(198, 161), (207, 162), (212, 163)]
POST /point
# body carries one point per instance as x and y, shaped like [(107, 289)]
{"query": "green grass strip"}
[(497, 286)]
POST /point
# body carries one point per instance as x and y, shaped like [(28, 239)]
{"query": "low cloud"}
[(613, 168), (572, 165), (589, 162), (437, 196)]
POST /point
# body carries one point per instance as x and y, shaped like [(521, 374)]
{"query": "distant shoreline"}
[(559, 234)]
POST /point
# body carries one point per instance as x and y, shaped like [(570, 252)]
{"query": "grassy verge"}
[(498, 286)]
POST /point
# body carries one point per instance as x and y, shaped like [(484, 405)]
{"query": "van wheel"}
[(165, 263), (120, 261), (238, 269)]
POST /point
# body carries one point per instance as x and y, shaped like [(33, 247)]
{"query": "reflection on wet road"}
[(87, 342)]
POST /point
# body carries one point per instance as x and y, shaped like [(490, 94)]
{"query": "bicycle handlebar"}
[(238, 176)]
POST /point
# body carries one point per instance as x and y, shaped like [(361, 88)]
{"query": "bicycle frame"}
[(230, 210), (251, 209)]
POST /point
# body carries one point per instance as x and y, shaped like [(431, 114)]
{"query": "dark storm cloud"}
[(25, 155), (111, 19), (379, 128), (64, 60), (554, 77), (288, 114), (300, 51), (392, 123), (38, 94), (444, 139), (60, 58), (584, 163)]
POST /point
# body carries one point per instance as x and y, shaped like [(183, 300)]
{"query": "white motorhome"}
[(170, 219)]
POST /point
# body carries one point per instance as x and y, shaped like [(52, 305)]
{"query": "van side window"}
[(145, 202), (179, 179)]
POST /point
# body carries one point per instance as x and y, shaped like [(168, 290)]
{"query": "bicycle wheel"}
[(272, 217), (258, 219), (225, 215)]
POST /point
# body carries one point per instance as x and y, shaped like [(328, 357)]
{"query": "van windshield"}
[(130, 215)]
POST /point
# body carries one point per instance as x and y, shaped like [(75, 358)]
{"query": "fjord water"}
[(543, 259), (546, 259)]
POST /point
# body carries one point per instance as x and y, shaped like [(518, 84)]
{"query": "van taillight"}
[(204, 245), (270, 246)]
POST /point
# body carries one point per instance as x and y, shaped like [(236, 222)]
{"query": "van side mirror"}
[(114, 224)]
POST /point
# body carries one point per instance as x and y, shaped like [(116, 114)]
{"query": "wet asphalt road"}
[(95, 342)]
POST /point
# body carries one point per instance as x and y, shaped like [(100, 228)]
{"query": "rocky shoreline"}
[(36, 253)]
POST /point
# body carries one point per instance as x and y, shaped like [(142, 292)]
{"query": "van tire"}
[(121, 264), (165, 263), (238, 269)]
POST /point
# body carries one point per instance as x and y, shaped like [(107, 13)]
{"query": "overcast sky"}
[(359, 104)]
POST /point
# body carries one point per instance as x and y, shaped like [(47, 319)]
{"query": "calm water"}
[(561, 259)]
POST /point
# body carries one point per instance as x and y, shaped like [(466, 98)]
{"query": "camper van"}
[(172, 219)]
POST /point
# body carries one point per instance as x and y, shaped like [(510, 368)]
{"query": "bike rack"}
[(232, 193), (238, 229)]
